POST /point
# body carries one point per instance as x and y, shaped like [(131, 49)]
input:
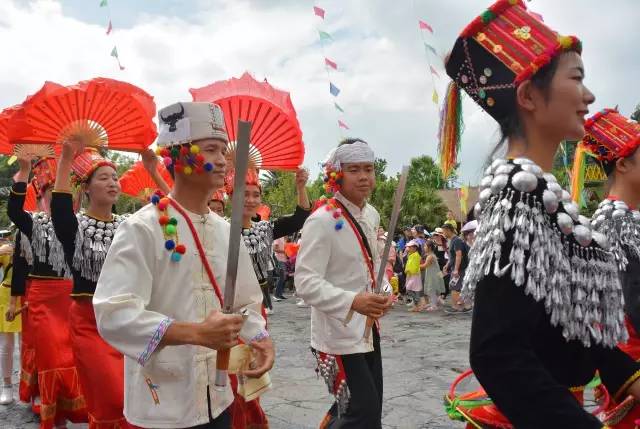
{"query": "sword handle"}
[(222, 367), (368, 327)]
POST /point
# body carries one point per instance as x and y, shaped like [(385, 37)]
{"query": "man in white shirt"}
[(335, 274), (159, 295)]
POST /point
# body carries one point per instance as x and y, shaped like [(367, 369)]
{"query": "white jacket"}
[(330, 271), (141, 291)]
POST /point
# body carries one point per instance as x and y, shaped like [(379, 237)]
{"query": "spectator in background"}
[(420, 238), (433, 283), (406, 237), (281, 258), (458, 261), (451, 220), (382, 240), (442, 254), (469, 232), (412, 270)]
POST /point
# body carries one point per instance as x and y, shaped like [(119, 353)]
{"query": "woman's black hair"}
[(510, 125), (609, 167), (350, 140), (431, 245)]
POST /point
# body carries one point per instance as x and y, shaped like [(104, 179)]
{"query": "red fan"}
[(264, 211), (5, 147), (137, 182), (276, 138), (107, 112), (34, 150)]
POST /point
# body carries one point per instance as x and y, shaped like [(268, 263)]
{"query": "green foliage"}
[(421, 203), (279, 193), (6, 180), (636, 114), (123, 162)]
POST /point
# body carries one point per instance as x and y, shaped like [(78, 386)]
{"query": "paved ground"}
[(422, 354)]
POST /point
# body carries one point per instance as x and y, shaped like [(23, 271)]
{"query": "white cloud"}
[(386, 87)]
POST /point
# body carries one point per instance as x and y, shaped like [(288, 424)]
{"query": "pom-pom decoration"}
[(331, 205), (103, 112), (137, 182), (169, 227)]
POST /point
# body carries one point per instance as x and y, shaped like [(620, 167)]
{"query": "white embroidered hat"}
[(186, 122)]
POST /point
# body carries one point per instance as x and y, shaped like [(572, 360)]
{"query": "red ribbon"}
[(201, 252)]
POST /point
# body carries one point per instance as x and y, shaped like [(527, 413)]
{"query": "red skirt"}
[(60, 394), (246, 415), (632, 346), (100, 369), (28, 372)]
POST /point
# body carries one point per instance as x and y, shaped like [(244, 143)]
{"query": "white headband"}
[(349, 153)]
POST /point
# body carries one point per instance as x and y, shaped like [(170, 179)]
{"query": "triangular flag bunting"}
[(330, 63), (317, 10), (431, 49), (333, 89), (114, 52), (324, 35), (342, 125), (103, 3), (433, 71), (109, 27), (424, 26), (434, 97), (337, 106)]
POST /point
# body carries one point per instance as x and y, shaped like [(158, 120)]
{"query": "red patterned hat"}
[(252, 178), (87, 162), (610, 135), (500, 49), (218, 196), (44, 175)]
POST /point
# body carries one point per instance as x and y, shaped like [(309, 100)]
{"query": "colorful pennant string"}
[(114, 51), (330, 65)]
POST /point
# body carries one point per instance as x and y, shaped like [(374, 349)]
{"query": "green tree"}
[(420, 203), (6, 180), (279, 193), (636, 114)]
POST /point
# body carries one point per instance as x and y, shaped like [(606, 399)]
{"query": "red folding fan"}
[(106, 111), (33, 150), (276, 138), (137, 182)]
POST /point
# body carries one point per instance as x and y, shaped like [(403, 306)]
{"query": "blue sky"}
[(169, 46)]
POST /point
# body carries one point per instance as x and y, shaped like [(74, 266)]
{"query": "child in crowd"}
[(433, 281), (8, 329), (414, 279)]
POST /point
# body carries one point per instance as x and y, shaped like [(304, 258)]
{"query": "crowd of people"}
[(126, 322), (428, 267)]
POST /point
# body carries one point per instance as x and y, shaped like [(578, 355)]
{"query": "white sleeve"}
[(248, 297), (123, 292), (311, 267)]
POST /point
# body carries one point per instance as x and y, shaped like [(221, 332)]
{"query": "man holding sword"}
[(161, 290), (336, 273)]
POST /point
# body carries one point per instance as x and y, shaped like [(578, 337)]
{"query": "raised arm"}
[(287, 225), (150, 162), (15, 205), (64, 220)]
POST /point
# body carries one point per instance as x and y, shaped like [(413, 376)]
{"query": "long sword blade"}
[(237, 209), (395, 212)]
